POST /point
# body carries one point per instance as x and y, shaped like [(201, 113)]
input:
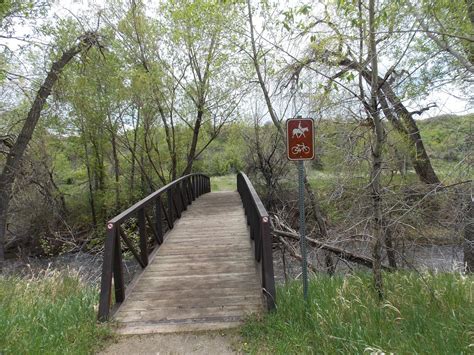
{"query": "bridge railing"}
[(166, 205), (259, 222)]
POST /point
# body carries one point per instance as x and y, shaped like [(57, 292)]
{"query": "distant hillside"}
[(447, 137)]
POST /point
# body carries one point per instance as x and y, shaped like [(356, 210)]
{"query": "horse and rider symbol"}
[(299, 131)]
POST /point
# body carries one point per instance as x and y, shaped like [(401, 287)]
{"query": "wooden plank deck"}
[(203, 277)]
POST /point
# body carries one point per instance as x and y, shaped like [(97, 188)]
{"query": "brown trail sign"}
[(300, 139)]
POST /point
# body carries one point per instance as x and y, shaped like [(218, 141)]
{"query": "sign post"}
[(300, 147)]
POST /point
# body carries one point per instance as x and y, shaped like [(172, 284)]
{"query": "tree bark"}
[(17, 151), (375, 178), (392, 260), (116, 163), (133, 151), (402, 120), (469, 238), (90, 185), (194, 141), (420, 159)]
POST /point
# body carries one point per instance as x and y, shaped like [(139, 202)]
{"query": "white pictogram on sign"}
[(300, 148), (299, 131)]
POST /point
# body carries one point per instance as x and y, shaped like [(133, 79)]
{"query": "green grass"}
[(224, 183), (50, 314), (344, 316)]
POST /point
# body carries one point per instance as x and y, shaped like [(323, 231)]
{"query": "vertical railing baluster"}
[(143, 237), (181, 197), (176, 202), (189, 191), (159, 219), (193, 186), (118, 271), (170, 206)]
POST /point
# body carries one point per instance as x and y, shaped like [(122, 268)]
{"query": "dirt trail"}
[(182, 343)]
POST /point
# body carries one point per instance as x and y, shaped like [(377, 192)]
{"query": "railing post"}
[(176, 203), (193, 186), (143, 238), (179, 186), (198, 185), (170, 206), (118, 271), (158, 219), (267, 262), (189, 191), (107, 266)]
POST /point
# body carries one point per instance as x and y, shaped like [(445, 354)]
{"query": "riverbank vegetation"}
[(421, 313), (49, 313)]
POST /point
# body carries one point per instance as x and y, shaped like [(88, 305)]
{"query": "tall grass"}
[(52, 313), (432, 314)]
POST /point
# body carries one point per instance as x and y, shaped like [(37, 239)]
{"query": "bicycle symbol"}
[(300, 148)]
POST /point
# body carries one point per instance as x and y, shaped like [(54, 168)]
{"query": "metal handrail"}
[(179, 194), (259, 222)]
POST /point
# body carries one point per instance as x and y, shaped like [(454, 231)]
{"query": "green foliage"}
[(224, 183), (429, 313), (49, 314), (448, 137), (226, 153)]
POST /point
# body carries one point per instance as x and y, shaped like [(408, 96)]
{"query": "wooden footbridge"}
[(205, 257)]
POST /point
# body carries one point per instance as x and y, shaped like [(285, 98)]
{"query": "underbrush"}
[(429, 313), (52, 313), (224, 183)]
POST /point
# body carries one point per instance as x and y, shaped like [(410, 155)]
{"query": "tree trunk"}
[(134, 156), (392, 260), (116, 166), (17, 151), (375, 178), (194, 142), (90, 184), (402, 120), (469, 238), (420, 159)]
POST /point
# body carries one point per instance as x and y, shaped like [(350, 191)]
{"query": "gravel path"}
[(183, 343)]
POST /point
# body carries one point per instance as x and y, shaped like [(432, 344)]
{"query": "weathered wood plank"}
[(190, 293), (193, 302), (185, 313), (186, 325)]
